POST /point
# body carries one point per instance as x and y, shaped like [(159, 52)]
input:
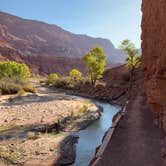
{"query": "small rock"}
[(51, 149), (37, 153)]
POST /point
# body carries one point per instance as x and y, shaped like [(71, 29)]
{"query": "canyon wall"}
[(47, 48), (154, 57), (154, 52)]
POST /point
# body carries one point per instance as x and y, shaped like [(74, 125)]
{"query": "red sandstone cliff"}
[(48, 48), (154, 56), (154, 52)]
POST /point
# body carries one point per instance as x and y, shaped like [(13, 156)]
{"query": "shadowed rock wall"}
[(154, 55), (154, 51)]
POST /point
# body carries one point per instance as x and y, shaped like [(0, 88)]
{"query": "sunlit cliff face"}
[(154, 52)]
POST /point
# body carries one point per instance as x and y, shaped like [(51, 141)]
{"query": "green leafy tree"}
[(75, 74), (95, 62), (51, 78), (133, 59), (13, 77), (11, 69)]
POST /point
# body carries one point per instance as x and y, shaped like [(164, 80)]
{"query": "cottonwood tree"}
[(133, 59), (95, 61), (11, 69)]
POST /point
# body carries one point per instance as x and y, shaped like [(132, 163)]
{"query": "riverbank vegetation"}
[(51, 78), (95, 61), (111, 85), (14, 78), (95, 82)]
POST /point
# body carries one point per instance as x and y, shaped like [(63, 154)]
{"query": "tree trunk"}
[(131, 81)]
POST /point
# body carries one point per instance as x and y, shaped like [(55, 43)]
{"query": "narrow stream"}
[(91, 137)]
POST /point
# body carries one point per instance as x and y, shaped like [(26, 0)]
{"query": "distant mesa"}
[(48, 48)]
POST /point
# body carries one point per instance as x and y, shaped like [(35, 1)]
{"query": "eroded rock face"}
[(154, 52), (154, 57), (48, 48)]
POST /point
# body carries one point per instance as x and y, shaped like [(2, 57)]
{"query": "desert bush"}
[(75, 75), (29, 88), (12, 156), (21, 92), (85, 81), (32, 135), (9, 86), (64, 83), (67, 83), (7, 127), (83, 109), (51, 78)]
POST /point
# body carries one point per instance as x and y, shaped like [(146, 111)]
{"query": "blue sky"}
[(112, 19)]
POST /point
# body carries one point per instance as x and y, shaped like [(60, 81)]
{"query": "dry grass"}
[(7, 127)]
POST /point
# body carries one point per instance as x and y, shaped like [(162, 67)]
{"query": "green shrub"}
[(13, 76), (19, 72), (51, 78), (75, 75)]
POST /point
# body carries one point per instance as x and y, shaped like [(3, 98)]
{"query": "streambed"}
[(89, 138)]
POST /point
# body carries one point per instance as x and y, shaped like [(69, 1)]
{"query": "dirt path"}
[(137, 141)]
